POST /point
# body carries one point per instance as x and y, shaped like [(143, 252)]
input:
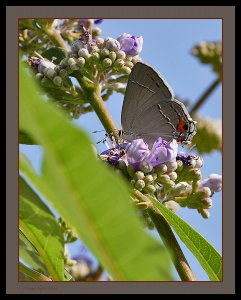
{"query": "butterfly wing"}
[(145, 88)]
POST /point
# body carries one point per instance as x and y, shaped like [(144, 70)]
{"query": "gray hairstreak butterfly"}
[(150, 109)]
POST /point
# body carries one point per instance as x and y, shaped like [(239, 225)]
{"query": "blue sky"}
[(167, 47)]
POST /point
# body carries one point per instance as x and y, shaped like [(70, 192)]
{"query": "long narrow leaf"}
[(207, 255), (40, 226)]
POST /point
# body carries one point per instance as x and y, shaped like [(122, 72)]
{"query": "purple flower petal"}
[(136, 151), (98, 21), (162, 152), (214, 182), (130, 44)]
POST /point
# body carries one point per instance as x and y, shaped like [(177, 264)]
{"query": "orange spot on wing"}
[(180, 125)]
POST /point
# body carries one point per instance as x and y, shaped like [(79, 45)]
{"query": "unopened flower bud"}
[(129, 64), (154, 175), (206, 191), (120, 54), (74, 67), (163, 178), (95, 56), (80, 62), (57, 81), (125, 70), (172, 205), (204, 212), (50, 74), (136, 59), (140, 184), (132, 182), (64, 62), (112, 56), (161, 169), (39, 76), (107, 62), (84, 53), (71, 61), (145, 166), (206, 203), (63, 73), (119, 63), (199, 162), (150, 189), (139, 175), (179, 165), (173, 176), (182, 189), (171, 166), (96, 31), (149, 179), (104, 53), (111, 44)]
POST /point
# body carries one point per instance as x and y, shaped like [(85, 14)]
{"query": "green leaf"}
[(31, 275), (89, 196), (67, 276), (207, 255), (58, 52), (29, 254), (24, 138), (39, 225)]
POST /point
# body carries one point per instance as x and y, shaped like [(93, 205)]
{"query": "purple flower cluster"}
[(130, 44), (138, 152)]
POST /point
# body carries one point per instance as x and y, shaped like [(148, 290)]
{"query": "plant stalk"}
[(205, 95), (169, 239)]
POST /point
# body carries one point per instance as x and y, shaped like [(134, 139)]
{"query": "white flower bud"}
[(84, 53), (125, 70), (64, 62), (76, 46), (140, 184), (39, 76), (161, 169), (149, 179), (57, 81), (51, 73), (111, 44), (129, 64), (71, 61), (139, 175), (63, 73), (206, 203), (119, 63), (107, 62), (112, 56), (145, 166), (80, 62), (173, 176), (171, 166), (104, 53), (74, 67), (120, 54), (150, 189), (172, 205)]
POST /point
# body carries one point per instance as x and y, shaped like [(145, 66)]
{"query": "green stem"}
[(55, 36), (169, 240), (36, 276), (93, 94), (205, 95)]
